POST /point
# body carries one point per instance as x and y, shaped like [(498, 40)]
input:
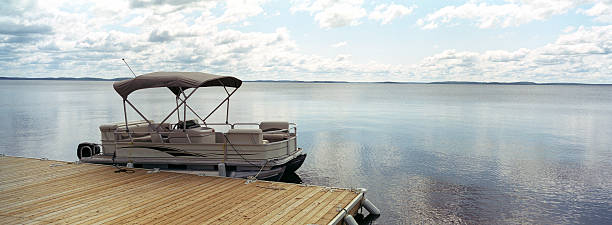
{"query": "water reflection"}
[(427, 153), (291, 178)]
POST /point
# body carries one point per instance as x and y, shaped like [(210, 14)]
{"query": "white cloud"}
[(16, 7), (569, 29), (86, 38), (160, 36), (238, 10), (10, 28), (153, 3), (332, 13), (581, 56), (339, 44), (342, 57), (506, 56), (91, 42), (602, 11), (485, 15), (339, 13), (386, 13)]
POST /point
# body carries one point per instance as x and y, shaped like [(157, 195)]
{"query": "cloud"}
[(485, 15), (340, 13), (17, 39), (580, 56), (339, 44), (160, 36), (54, 41), (238, 10), (10, 28), (569, 29), (332, 13), (342, 57), (386, 13), (21, 34), (505, 56), (584, 41), (16, 7), (150, 3), (602, 11)]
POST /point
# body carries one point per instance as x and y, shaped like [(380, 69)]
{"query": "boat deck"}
[(47, 191)]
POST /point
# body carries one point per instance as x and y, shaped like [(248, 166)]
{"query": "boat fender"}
[(370, 207), (222, 170), (87, 149), (350, 220)]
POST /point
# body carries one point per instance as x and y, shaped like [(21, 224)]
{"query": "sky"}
[(340, 40)]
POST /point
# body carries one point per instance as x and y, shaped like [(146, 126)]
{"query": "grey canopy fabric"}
[(174, 81)]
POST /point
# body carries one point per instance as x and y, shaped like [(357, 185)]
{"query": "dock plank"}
[(82, 211), (334, 211), (310, 214), (261, 207), (287, 207), (253, 202), (34, 191)]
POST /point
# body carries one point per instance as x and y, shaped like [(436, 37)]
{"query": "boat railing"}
[(132, 136), (244, 124), (292, 126), (145, 136)]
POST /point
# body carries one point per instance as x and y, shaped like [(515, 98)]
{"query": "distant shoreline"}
[(322, 82)]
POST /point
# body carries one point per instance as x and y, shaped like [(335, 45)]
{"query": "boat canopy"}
[(175, 81)]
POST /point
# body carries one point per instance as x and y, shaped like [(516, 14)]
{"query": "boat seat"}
[(139, 132), (274, 130), (142, 139), (195, 135), (136, 129), (245, 136), (219, 137), (157, 138), (275, 137), (108, 132), (164, 127)]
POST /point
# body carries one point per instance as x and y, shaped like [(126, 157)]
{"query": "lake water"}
[(484, 154)]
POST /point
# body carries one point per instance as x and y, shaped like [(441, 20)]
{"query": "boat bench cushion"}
[(146, 138), (196, 135), (275, 130), (275, 137), (274, 125), (108, 127), (164, 127), (137, 129), (157, 138), (245, 136)]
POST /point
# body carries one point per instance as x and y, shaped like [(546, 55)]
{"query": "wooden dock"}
[(46, 191)]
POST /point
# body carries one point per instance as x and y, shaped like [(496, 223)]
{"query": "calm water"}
[(426, 153)]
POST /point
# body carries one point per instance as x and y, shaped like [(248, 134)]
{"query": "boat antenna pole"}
[(128, 67), (125, 111)]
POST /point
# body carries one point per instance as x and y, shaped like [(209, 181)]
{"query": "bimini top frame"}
[(177, 82)]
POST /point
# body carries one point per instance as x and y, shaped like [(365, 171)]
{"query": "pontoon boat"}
[(263, 150)]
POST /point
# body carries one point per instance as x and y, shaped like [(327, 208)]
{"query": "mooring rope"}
[(260, 169), (119, 169), (250, 179), (228, 141)]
